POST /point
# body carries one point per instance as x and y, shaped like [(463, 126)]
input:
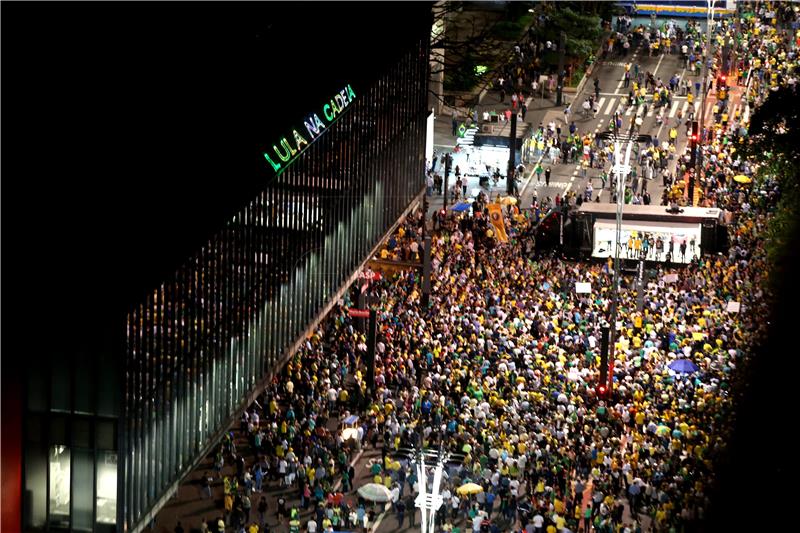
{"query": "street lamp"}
[(429, 502), (709, 24), (621, 170)]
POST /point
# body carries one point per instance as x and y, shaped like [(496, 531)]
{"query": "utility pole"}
[(512, 156), (371, 340), (693, 149), (562, 49), (640, 282), (622, 168), (447, 161), (709, 23), (429, 502), (426, 271)]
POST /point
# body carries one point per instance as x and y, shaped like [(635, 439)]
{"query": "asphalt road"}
[(610, 75)]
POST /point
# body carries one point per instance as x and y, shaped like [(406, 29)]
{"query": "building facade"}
[(108, 433)]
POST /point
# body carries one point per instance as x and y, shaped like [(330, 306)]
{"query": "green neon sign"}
[(291, 146)]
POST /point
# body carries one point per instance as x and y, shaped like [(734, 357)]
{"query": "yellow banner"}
[(496, 217)]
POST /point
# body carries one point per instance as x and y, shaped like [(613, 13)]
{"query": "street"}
[(613, 95)]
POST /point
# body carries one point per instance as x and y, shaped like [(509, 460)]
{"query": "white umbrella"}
[(375, 492)]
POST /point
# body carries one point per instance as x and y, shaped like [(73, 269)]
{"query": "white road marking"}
[(684, 108), (600, 103), (611, 102), (659, 130), (629, 111), (650, 111), (660, 59), (673, 110)]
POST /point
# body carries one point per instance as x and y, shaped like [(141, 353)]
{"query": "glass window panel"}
[(106, 487), (37, 391), (82, 489), (108, 389), (58, 430), (60, 384), (34, 428), (80, 433), (59, 505), (84, 384), (106, 439), (35, 496)]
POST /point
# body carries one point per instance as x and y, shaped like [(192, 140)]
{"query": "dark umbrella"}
[(683, 365)]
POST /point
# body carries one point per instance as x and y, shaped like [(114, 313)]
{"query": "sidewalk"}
[(540, 111)]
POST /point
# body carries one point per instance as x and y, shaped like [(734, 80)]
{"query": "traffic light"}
[(601, 391), (695, 132), (604, 339)]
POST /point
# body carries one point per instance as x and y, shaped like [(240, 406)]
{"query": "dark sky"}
[(132, 131)]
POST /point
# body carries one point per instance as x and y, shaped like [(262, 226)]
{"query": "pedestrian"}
[(262, 510), (208, 481), (547, 176), (411, 510), (400, 507)]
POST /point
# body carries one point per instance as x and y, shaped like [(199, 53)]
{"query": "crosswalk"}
[(607, 105)]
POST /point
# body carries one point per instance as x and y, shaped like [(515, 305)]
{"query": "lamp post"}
[(709, 23), (621, 170), (429, 502)]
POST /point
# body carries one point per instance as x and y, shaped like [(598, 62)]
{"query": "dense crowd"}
[(501, 367)]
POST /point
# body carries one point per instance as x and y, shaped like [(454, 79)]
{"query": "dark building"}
[(196, 184)]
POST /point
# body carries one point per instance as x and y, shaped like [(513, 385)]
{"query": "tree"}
[(464, 40), (583, 31), (772, 141), (775, 128)]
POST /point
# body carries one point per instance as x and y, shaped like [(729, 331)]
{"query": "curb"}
[(589, 71)]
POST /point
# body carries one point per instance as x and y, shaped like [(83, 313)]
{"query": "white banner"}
[(583, 287)]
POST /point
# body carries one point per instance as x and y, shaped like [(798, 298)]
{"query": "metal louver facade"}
[(201, 341)]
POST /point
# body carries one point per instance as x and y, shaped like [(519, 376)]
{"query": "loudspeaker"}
[(708, 237), (722, 238)]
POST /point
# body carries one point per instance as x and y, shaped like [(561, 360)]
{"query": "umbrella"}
[(508, 200), (741, 178), (662, 430), (463, 206), (683, 365), (375, 493), (469, 488)]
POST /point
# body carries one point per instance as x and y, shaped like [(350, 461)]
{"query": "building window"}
[(82, 489), (59, 509), (106, 487)]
